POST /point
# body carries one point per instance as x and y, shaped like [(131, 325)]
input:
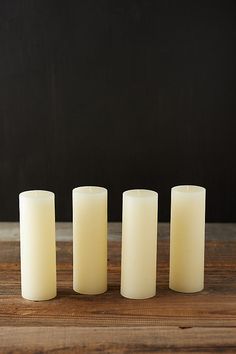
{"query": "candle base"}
[(84, 292), (135, 297), (178, 290), (29, 298)]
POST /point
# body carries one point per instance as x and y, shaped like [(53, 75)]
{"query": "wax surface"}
[(37, 241), (90, 240), (139, 244), (187, 238)]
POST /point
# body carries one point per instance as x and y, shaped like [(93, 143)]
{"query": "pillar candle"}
[(90, 240), (139, 244), (187, 238), (37, 242)]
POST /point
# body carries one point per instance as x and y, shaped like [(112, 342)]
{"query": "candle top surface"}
[(37, 194), (90, 190), (140, 193), (188, 189)]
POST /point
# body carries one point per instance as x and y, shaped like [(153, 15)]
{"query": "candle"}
[(139, 244), (90, 240), (37, 241), (187, 238)]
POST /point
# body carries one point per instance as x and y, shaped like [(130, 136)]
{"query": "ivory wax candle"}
[(139, 244), (37, 242), (187, 238), (90, 240)]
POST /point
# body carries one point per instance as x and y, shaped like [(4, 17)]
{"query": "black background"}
[(122, 94)]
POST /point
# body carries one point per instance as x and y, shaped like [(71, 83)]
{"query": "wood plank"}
[(206, 308), (118, 340), (171, 321)]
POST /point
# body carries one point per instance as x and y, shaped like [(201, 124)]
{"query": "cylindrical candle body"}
[(139, 244), (187, 238), (90, 240), (38, 248)]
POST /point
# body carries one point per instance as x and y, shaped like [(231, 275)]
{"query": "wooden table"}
[(108, 323)]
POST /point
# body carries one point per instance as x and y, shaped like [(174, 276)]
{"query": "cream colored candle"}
[(187, 238), (90, 240), (37, 241), (139, 244)]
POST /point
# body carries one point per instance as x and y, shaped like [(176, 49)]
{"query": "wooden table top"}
[(109, 323)]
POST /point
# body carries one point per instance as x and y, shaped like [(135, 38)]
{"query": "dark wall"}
[(122, 94)]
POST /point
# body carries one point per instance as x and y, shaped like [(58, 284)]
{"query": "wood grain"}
[(116, 340), (202, 322)]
